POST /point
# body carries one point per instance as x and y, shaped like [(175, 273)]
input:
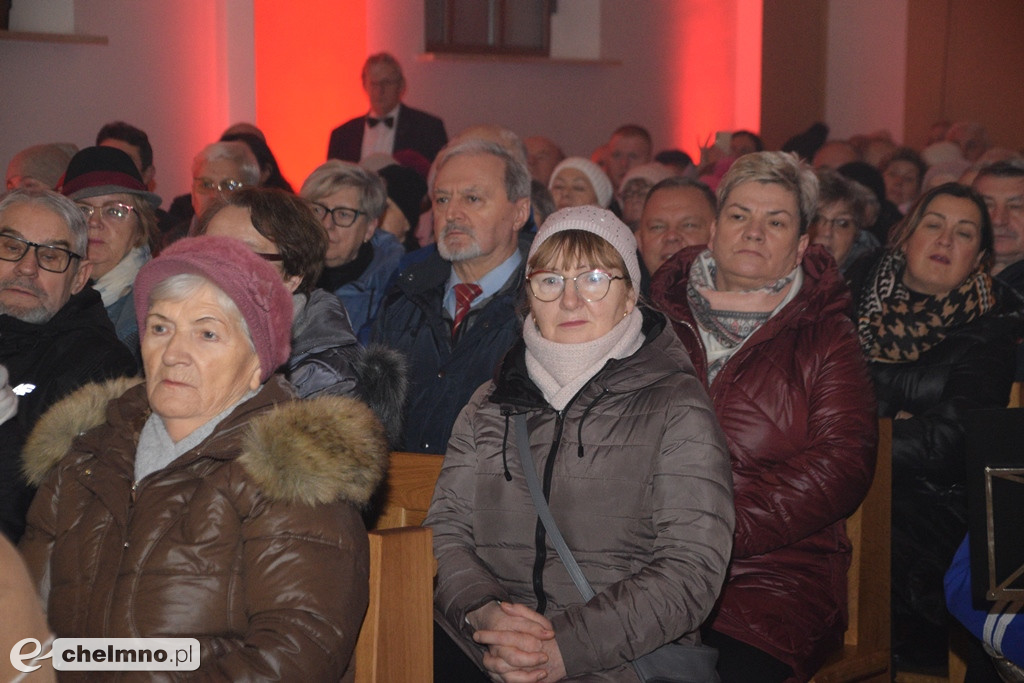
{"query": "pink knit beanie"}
[(600, 222), (254, 285)]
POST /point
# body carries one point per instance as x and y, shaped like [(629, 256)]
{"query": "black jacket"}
[(443, 375), (417, 130), (971, 368), (1013, 276), (75, 347)]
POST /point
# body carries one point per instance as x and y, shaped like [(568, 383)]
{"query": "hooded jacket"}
[(327, 360), (637, 478), (324, 349), (798, 411), (252, 542)]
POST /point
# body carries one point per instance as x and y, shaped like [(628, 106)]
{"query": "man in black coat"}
[(390, 125), (55, 335)]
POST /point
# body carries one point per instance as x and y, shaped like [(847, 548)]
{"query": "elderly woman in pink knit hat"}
[(600, 402), (205, 501)]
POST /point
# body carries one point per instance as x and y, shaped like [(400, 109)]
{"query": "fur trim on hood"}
[(317, 451), (308, 451), (72, 416)]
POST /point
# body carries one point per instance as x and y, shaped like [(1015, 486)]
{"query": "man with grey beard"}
[(453, 315), (55, 335)]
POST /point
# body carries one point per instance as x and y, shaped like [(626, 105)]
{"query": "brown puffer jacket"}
[(637, 478), (251, 542), (797, 407)]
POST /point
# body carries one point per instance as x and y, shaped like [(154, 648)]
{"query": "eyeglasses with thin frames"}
[(341, 216), (50, 258), (591, 286), (114, 212)]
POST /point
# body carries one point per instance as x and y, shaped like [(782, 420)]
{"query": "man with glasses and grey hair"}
[(55, 335), (219, 169), (453, 315)]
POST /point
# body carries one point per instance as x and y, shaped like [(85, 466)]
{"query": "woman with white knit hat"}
[(634, 468), (580, 182)]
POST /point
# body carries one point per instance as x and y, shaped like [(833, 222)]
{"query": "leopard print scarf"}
[(896, 325)]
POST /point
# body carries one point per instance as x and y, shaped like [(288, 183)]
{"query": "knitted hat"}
[(45, 163), (406, 189), (600, 222), (652, 172), (96, 171), (598, 180), (252, 283)]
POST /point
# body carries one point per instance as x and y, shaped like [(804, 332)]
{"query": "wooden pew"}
[(396, 641), (410, 486), (866, 651)]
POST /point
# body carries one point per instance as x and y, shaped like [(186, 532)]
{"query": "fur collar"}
[(313, 452)]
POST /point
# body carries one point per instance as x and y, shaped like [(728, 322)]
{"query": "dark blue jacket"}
[(443, 375)]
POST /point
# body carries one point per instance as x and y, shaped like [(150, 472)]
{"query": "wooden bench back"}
[(396, 641)]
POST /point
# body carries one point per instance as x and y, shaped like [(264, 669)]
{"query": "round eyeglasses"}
[(341, 216), (591, 286), (49, 257), (113, 212)]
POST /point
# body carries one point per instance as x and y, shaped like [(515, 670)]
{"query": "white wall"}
[(182, 71), (577, 105), (867, 65)]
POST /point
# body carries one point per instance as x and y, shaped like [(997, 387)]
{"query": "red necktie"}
[(464, 295)]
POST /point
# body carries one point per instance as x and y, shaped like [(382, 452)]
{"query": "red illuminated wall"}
[(714, 74), (308, 58)]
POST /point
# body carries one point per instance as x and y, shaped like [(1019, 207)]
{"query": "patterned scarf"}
[(896, 325), (731, 317)]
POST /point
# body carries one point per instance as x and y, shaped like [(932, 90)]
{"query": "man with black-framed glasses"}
[(55, 335)]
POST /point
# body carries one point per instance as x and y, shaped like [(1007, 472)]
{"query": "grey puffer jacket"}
[(637, 475), (328, 360)]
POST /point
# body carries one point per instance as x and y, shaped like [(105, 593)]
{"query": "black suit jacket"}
[(416, 130)]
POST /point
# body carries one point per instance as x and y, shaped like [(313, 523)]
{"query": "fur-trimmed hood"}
[(311, 451)]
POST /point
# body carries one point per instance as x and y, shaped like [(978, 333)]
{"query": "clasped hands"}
[(521, 646)]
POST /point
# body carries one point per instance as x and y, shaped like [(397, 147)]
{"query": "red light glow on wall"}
[(308, 58), (715, 72)]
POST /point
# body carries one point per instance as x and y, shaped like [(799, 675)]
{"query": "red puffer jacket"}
[(798, 411)]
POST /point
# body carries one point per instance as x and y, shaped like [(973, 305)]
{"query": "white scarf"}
[(561, 370), (119, 280)]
